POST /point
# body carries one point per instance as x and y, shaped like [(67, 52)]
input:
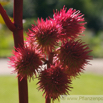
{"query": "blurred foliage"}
[(92, 9), (28, 23), (6, 42), (95, 43), (32, 9), (4, 2), (7, 45), (2, 21)]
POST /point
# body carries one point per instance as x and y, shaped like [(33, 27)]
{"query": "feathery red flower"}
[(26, 62), (74, 56), (71, 22), (45, 34), (54, 82)]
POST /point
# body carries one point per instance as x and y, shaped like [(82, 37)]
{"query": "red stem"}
[(19, 42), (8, 22), (17, 29), (48, 99)]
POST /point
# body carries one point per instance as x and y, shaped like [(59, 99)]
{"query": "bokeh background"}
[(89, 83)]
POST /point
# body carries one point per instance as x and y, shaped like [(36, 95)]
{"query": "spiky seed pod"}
[(72, 22), (45, 34), (73, 55), (26, 62), (54, 82)]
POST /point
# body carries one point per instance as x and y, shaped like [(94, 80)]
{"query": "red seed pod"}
[(54, 82), (45, 34), (73, 55), (71, 21), (26, 62)]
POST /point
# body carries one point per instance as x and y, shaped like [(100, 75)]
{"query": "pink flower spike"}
[(26, 62), (71, 22)]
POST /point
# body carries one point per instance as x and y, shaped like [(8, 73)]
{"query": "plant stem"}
[(47, 100), (50, 57), (8, 22), (19, 42), (17, 29)]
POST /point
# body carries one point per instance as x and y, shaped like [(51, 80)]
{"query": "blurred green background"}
[(87, 84), (32, 9)]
